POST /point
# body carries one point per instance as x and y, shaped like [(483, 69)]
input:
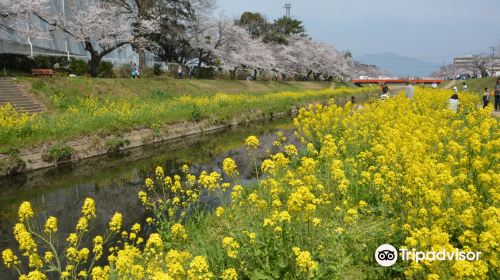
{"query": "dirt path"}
[(451, 84)]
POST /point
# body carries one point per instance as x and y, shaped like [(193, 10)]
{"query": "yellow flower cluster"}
[(88, 209), (229, 167), (304, 262), (115, 224), (25, 211), (12, 121), (231, 246), (230, 274), (252, 142), (9, 258), (51, 225), (179, 232)]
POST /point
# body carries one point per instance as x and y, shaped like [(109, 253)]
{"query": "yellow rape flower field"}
[(406, 172)]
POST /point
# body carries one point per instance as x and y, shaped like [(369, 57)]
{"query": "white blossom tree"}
[(239, 49), (101, 25), (19, 17)]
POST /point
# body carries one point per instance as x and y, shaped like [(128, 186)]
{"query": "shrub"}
[(78, 67), (122, 72), (23, 63), (114, 145), (16, 62), (11, 163), (196, 114), (146, 72), (106, 69), (58, 153), (204, 72), (157, 69)]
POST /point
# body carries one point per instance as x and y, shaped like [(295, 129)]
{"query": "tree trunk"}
[(142, 58), (309, 74), (94, 62), (255, 74), (235, 76), (95, 59)]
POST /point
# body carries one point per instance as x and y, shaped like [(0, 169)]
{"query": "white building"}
[(61, 45)]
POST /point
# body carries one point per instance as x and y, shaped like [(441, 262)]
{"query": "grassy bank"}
[(81, 106), (476, 85)]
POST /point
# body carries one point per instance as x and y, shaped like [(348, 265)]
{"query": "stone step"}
[(23, 105), (29, 109), (9, 89), (16, 97)]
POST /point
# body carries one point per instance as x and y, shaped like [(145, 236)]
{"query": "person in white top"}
[(464, 87), (410, 90), (434, 85), (454, 103), (179, 72)]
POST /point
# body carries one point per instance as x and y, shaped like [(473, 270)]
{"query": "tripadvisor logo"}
[(387, 255)]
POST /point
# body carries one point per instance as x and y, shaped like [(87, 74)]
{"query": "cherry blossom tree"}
[(102, 26), (19, 17), (222, 43)]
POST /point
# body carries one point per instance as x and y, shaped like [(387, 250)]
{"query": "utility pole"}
[(288, 7), (492, 58), (445, 73)]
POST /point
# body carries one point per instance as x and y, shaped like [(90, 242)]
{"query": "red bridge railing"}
[(397, 81)]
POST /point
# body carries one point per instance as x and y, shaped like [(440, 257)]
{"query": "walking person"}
[(133, 71), (454, 103), (497, 95), (137, 74), (464, 87), (486, 98), (179, 72), (410, 90)]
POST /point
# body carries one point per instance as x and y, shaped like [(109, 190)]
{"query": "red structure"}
[(397, 81)]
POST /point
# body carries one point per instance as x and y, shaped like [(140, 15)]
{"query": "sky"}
[(432, 30)]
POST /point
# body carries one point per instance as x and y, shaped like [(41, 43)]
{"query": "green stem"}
[(51, 246)]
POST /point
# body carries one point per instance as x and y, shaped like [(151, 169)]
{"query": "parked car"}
[(464, 77)]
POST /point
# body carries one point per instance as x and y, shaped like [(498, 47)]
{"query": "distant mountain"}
[(398, 65)]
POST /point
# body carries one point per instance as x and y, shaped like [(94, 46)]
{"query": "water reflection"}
[(114, 181)]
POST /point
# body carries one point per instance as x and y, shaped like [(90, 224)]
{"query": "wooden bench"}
[(43, 72)]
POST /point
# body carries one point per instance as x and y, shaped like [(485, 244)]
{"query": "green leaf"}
[(258, 274)]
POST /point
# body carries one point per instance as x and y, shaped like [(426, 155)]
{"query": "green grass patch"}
[(84, 106)]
